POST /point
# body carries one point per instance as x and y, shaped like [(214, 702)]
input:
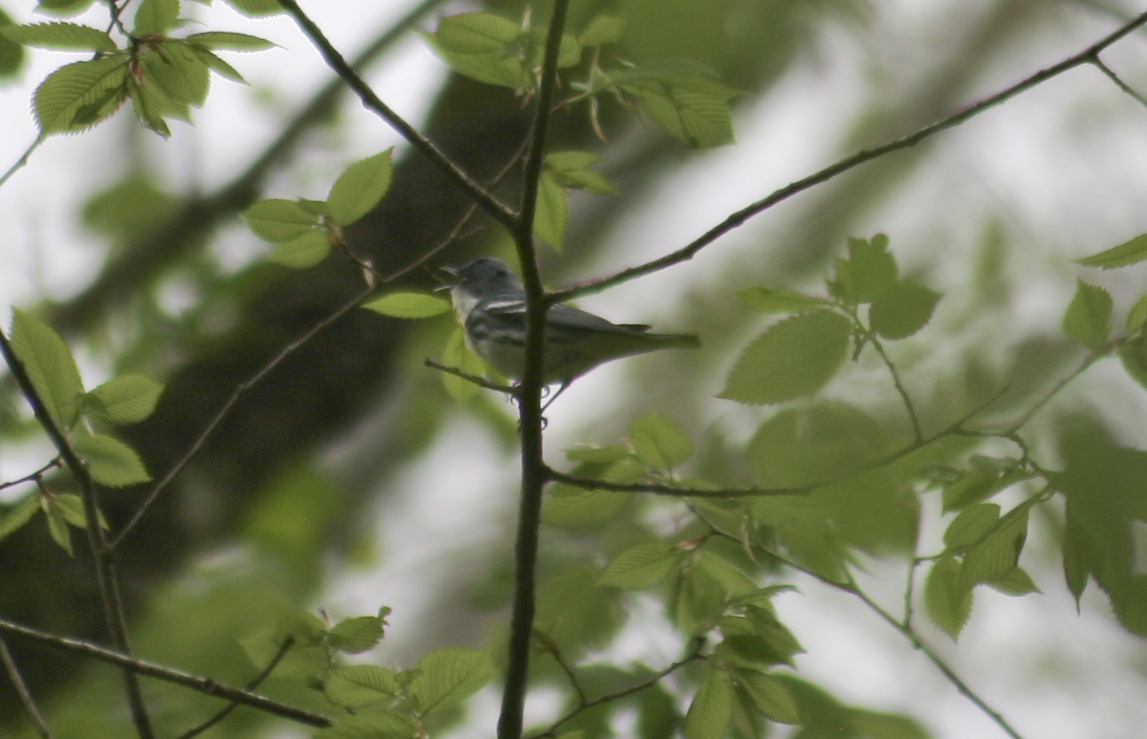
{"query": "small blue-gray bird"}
[(490, 304)]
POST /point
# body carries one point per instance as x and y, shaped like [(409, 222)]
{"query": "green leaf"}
[(659, 442), (63, 7), (360, 188), (712, 707), (1137, 316), (641, 566), (111, 462), (552, 211), (567, 506), (256, 7), (360, 686), (278, 220), (1016, 582), (50, 367), (11, 53), (872, 270), (770, 300), (1127, 253), (357, 634), (1088, 316), (59, 36), (791, 359), (456, 354), (972, 525), (217, 65), (947, 598), (305, 628), (448, 676), (79, 95), (603, 29), (19, 515), (986, 477), (1133, 356), (179, 73), (128, 398), (692, 108), (155, 17), (483, 47), (58, 529), (903, 310), (769, 696), (370, 726), (151, 104), (815, 445), (409, 305), (228, 41), (570, 170), (71, 509), (302, 251), (997, 553)]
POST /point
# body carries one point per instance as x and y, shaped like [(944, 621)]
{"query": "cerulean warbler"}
[(490, 304)]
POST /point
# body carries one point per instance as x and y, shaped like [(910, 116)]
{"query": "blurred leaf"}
[(567, 506), (279, 220), (408, 305), (641, 566), (552, 211), (155, 17), (997, 552), (256, 7), (50, 367), (791, 359), (769, 696), (228, 41), (603, 29), (368, 725), (693, 108), (903, 309), (970, 526), (711, 708), (303, 251), (1127, 253), (19, 515), (814, 445), (771, 300), (947, 598), (11, 53), (1088, 316), (660, 442), (360, 188)]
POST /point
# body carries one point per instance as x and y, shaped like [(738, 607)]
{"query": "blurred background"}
[(348, 479)]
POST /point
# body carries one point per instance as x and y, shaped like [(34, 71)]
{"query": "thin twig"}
[(477, 380), (902, 391), (256, 682), (675, 491), (737, 219), (198, 683), (497, 210), (114, 617), (22, 691), (1119, 81)]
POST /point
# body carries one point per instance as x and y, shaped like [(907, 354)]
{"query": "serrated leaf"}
[(711, 709), (360, 686), (770, 300), (155, 17), (256, 7), (903, 310), (409, 305), (1127, 253), (356, 634), (448, 676), (973, 523), (50, 367), (128, 398), (873, 269), (277, 220), (229, 41), (63, 7), (570, 170), (552, 212), (483, 47), (699, 117), (370, 726), (179, 72), (19, 515), (59, 36), (997, 553), (947, 598), (79, 95), (111, 462), (1137, 316), (659, 442), (641, 566), (1088, 316), (791, 359), (359, 188), (1016, 582), (217, 65), (1133, 356), (303, 251)]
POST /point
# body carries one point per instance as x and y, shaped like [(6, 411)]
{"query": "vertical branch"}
[(529, 398), (101, 554)]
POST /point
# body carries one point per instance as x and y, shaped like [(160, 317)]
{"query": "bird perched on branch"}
[(490, 304)]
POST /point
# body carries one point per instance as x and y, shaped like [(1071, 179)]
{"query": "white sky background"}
[(1066, 163)]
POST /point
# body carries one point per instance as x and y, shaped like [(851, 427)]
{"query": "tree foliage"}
[(858, 423)]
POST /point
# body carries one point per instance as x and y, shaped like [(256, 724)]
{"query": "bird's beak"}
[(448, 276)]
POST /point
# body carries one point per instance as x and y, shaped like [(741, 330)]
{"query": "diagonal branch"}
[(497, 210), (1088, 56)]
